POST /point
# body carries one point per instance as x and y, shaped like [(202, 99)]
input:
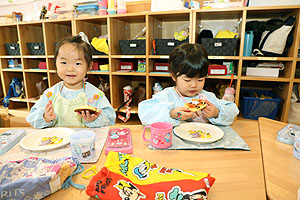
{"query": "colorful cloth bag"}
[(34, 178), (127, 177)]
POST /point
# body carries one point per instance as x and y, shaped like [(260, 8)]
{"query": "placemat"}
[(231, 140), (18, 153)]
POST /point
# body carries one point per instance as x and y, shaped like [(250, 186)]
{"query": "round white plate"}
[(182, 131), (33, 141)]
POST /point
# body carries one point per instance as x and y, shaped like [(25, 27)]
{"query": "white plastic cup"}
[(83, 145), (296, 148)]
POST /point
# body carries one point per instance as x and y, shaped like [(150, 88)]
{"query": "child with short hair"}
[(188, 65), (73, 59)]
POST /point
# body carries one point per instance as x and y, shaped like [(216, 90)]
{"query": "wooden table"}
[(238, 173), (281, 168)]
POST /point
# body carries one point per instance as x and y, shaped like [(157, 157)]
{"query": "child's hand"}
[(49, 114), (87, 116), (181, 113), (210, 111)]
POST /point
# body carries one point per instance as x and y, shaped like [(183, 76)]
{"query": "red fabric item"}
[(107, 185)]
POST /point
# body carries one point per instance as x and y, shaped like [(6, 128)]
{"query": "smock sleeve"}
[(107, 116), (36, 116), (157, 109), (227, 111)]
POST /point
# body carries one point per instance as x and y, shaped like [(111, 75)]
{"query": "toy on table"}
[(10, 138), (287, 133), (119, 140), (93, 168)]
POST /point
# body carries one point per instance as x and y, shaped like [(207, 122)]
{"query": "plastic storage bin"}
[(254, 105), (220, 46), (12, 49), (36, 48), (87, 10), (133, 47), (165, 46)]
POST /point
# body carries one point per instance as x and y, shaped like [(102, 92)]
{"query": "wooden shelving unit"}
[(159, 25)]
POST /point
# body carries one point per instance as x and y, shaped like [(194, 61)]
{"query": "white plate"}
[(33, 141), (215, 132)]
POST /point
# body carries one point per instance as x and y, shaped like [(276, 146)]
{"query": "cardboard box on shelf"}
[(261, 71)]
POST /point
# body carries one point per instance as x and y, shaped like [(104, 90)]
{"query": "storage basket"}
[(165, 46), (12, 49), (36, 48), (220, 46), (254, 106), (133, 47)]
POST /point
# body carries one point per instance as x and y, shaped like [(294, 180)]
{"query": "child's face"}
[(71, 66), (189, 87)]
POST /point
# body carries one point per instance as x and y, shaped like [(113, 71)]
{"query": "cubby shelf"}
[(159, 25)]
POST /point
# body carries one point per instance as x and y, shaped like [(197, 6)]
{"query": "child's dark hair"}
[(189, 59), (80, 45)]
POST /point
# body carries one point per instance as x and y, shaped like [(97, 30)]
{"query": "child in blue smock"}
[(73, 59), (188, 65)]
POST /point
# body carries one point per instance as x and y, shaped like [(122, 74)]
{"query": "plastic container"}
[(248, 43), (87, 10), (119, 140), (12, 49), (36, 48), (254, 106), (102, 10), (220, 46), (111, 7)]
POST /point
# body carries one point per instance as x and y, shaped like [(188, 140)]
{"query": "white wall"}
[(30, 10)]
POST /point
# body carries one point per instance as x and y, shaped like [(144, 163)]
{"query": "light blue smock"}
[(95, 97), (157, 109)]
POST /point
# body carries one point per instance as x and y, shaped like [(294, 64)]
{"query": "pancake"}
[(91, 109)]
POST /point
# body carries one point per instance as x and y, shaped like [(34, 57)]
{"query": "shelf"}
[(97, 72), (17, 99), (260, 78), (222, 77), (19, 112), (129, 73), (10, 57), (223, 57), (134, 110), (159, 56), (269, 58), (34, 56), (128, 56), (160, 74), (36, 70), (159, 25), (12, 69)]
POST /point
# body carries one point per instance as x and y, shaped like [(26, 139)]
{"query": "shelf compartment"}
[(118, 82), (53, 78), (33, 64), (34, 78), (115, 66), (19, 110), (7, 78), (216, 21), (8, 34), (163, 25), (134, 110), (164, 82), (30, 32), (56, 31), (127, 29), (5, 67), (280, 88)]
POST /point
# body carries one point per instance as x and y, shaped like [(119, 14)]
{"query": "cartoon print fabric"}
[(126, 177), (34, 178)]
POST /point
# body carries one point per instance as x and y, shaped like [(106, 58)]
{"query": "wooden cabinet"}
[(154, 25)]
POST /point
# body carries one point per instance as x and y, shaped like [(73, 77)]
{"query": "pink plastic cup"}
[(161, 135)]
